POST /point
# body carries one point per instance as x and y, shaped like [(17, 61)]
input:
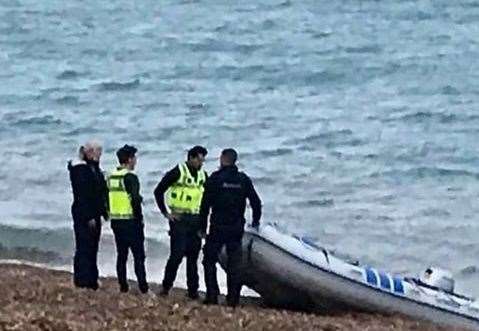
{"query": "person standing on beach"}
[(89, 205), (225, 194), (183, 186), (127, 218)]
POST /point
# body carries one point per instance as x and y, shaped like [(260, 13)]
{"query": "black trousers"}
[(129, 235), (85, 270), (212, 249), (184, 242)]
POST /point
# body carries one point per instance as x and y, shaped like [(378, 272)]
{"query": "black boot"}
[(210, 300), (193, 295), (143, 288), (232, 303), (164, 291)]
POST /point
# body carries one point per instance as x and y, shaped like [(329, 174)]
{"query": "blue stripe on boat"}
[(398, 285), (371, 277), (385, 281)]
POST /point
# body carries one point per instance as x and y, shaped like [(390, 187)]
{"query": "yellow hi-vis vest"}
[(120, 207), (184, 197)]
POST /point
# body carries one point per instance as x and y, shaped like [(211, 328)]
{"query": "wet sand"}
[(36, 298)]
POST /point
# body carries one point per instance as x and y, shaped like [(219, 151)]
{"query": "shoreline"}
[(35, 297)]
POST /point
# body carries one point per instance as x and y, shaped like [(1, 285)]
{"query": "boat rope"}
[(326, 255)]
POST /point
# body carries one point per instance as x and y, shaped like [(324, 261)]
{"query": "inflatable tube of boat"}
[(293, 272)]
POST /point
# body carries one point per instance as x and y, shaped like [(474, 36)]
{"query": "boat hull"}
[(284, 280)]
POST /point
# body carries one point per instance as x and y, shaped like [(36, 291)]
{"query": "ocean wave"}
[(95, 52), (45, 120), (298, 77), (60, 240), (68, 100), (425, 117), (315, 203), (13, 99), (263, 180), (215, 45), (15, 29), (12, 4), (325, 136), (425, 172), (468, 4), (153, 106), (323, 76), (437, 212), (249, 72), (329, 139), (196, 107), (117, 86), (268, 24), (469, 270), (285, 4), (275, 152), (32, 254), (449, 90), (372, 49), (156, 173), (69, 74), (385, 219), (321, 34), (82, 130), (415, 15)]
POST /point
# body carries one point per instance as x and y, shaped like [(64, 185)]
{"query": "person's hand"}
[(170, 217), (92, 225)]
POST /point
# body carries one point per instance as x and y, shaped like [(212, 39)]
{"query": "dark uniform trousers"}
[(184, 242), (129, 235), (85, 270), (232, 241)]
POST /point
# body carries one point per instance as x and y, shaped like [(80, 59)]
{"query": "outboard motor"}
[(440, 278)]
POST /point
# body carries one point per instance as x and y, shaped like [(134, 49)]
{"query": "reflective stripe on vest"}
[(184, 197), (119, 201)]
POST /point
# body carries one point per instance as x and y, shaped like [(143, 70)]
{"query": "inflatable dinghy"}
[(293, 272)]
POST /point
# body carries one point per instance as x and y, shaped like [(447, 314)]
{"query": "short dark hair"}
[(230, 155), (125, 153), (197, 150)]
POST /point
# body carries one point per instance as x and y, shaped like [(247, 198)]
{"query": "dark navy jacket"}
[(226, 191)]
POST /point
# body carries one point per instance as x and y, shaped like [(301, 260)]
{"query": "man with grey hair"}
[(89, 205)]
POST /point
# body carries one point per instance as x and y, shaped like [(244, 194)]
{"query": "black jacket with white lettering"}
[(226, 191)]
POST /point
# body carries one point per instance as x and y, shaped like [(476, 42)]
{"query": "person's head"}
[(196, 156), (127, 156), (91, 151), (228, 157)]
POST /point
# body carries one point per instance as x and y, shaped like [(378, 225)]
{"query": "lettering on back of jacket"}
[(232, 185)]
